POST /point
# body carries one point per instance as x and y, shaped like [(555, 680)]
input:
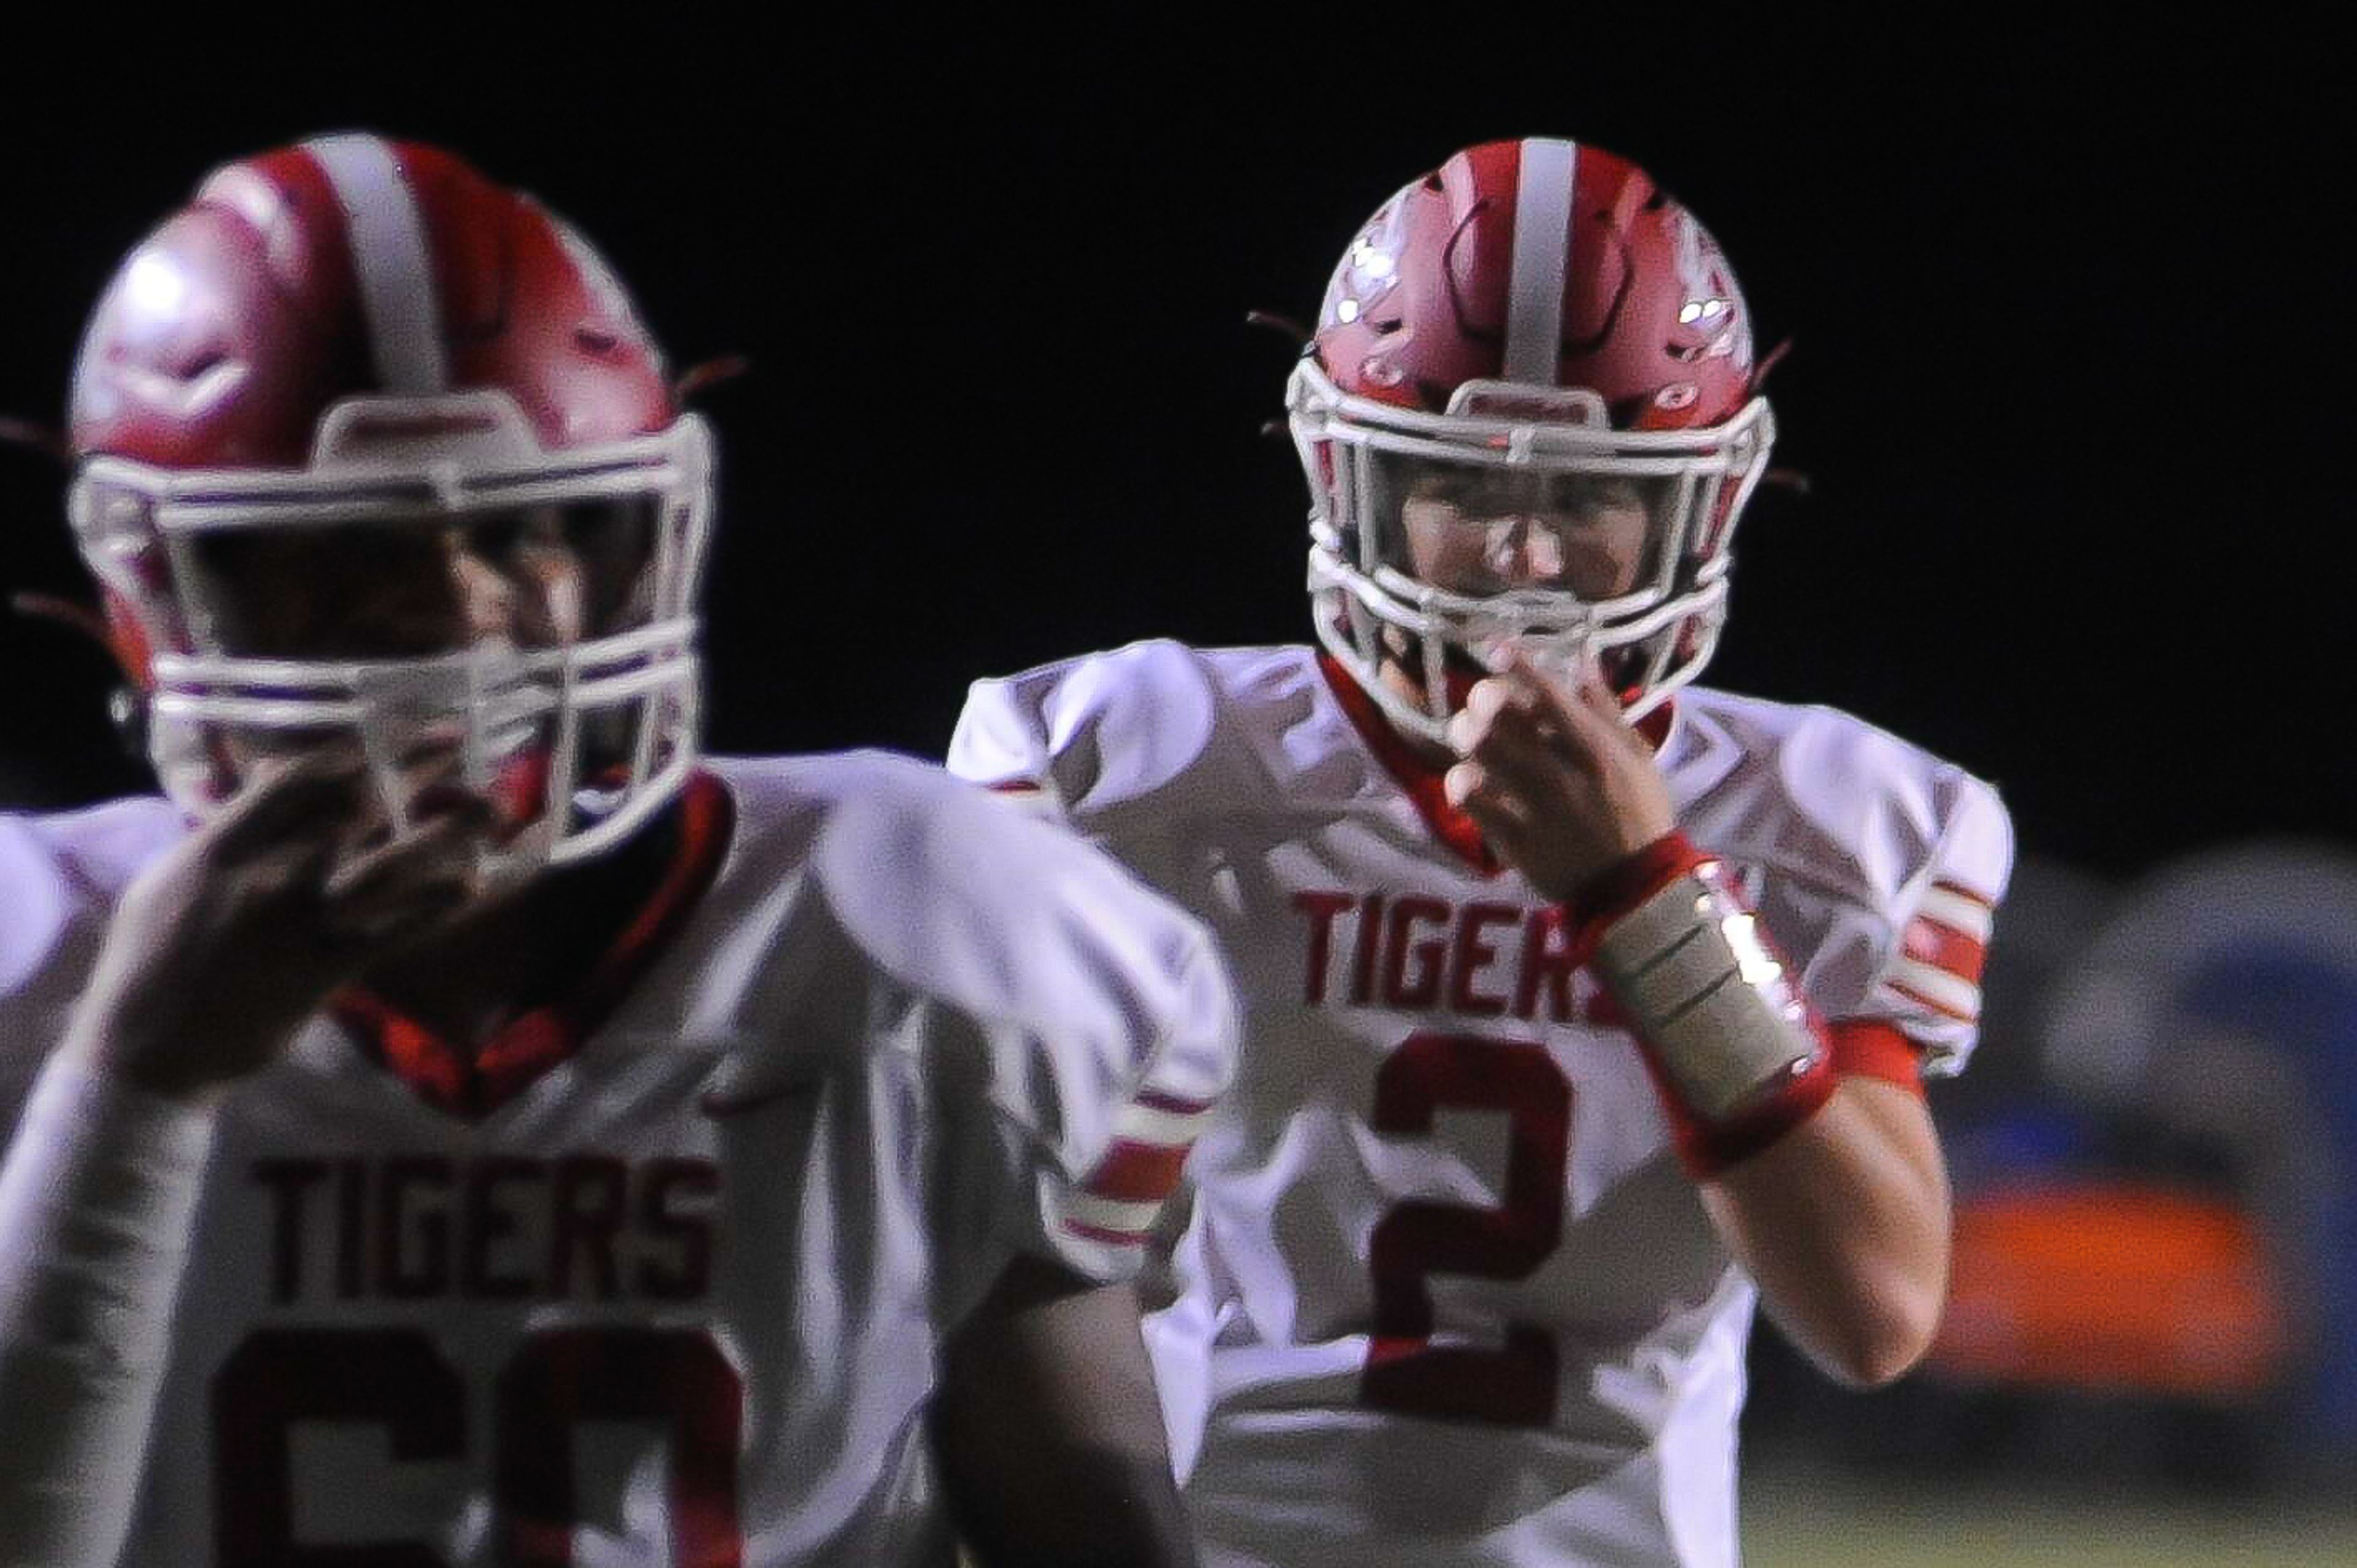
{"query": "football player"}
[(459, 1125), (1584, 1006)]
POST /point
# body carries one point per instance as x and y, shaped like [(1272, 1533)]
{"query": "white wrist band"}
[(1725, 1022), (97, 1197)]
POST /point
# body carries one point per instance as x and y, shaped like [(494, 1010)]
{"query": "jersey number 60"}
[(393, 1378)]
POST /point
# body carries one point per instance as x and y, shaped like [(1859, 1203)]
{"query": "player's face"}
[(1478, 532), (481, 594), (534, 578)]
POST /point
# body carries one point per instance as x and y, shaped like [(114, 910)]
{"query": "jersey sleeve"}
[(1002, 742), (1061, 1144), (1117, 744), (1068, 1029), (62, 876), (1898, 976), (35, 922)]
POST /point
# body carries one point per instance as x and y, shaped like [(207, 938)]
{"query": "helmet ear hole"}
[(126, 714)]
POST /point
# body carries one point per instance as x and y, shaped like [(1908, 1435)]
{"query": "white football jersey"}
[(1448, 1296), (660, 1278)]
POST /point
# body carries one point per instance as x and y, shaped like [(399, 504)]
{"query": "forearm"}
[(1112, 1509), (1828, 1188), (97, 1195), (1049, 1434), (1844, 1221)]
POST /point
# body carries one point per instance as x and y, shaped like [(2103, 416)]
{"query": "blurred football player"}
[(459, 1127), (1584, 1006)]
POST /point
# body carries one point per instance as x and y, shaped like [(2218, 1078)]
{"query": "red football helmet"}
[(337, 356), (1529, 418)]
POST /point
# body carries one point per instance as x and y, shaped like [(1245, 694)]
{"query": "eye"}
[(329, 592), (1586, 501), (495, 537)]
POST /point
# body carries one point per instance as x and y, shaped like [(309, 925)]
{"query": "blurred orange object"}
[(2114, 1287)]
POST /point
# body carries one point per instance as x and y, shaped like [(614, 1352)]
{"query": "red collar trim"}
[(1421, 781), (1655, 726), (474, 1084)]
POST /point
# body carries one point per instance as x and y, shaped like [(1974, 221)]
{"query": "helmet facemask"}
[(1518, 521), (289, 607)]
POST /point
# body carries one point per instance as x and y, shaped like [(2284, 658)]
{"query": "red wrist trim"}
[(1870, 1047), (1705, 1150), (1621, 886)]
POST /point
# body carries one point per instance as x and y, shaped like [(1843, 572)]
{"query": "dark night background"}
[(2071, 374)]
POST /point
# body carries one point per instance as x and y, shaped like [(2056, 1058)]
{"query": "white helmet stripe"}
[(394, 269), (1542, 261)]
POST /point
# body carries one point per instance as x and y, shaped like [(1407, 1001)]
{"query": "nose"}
[(486, 596), (531, 593), (1525, 548)]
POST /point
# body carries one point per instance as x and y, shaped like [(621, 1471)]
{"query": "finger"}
[(362, 931), (412, 881), (1510, 730), (1499, 704), (1554, 701), (1510, 836), (1588, 711), (315, 789), (448, 843), (1483, 702), (362, 925), (1542, 783), (1599, 699), (1495, 806)]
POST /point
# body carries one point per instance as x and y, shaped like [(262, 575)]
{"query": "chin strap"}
[(126, 705), (1738, 1054)]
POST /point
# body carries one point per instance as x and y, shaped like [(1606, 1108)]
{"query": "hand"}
[(220, 951), (1560, 785)]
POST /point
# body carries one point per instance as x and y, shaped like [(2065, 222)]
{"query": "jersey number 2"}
[(1514, 1383), (394, 1378)]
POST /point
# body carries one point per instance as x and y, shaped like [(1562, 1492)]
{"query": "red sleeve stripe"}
[(1154, 1099), (1123, 1196), (1871, 1047), (1110, 1236), (1013, 787), (1942, 953), (1943, 947), (1136, 1173)]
